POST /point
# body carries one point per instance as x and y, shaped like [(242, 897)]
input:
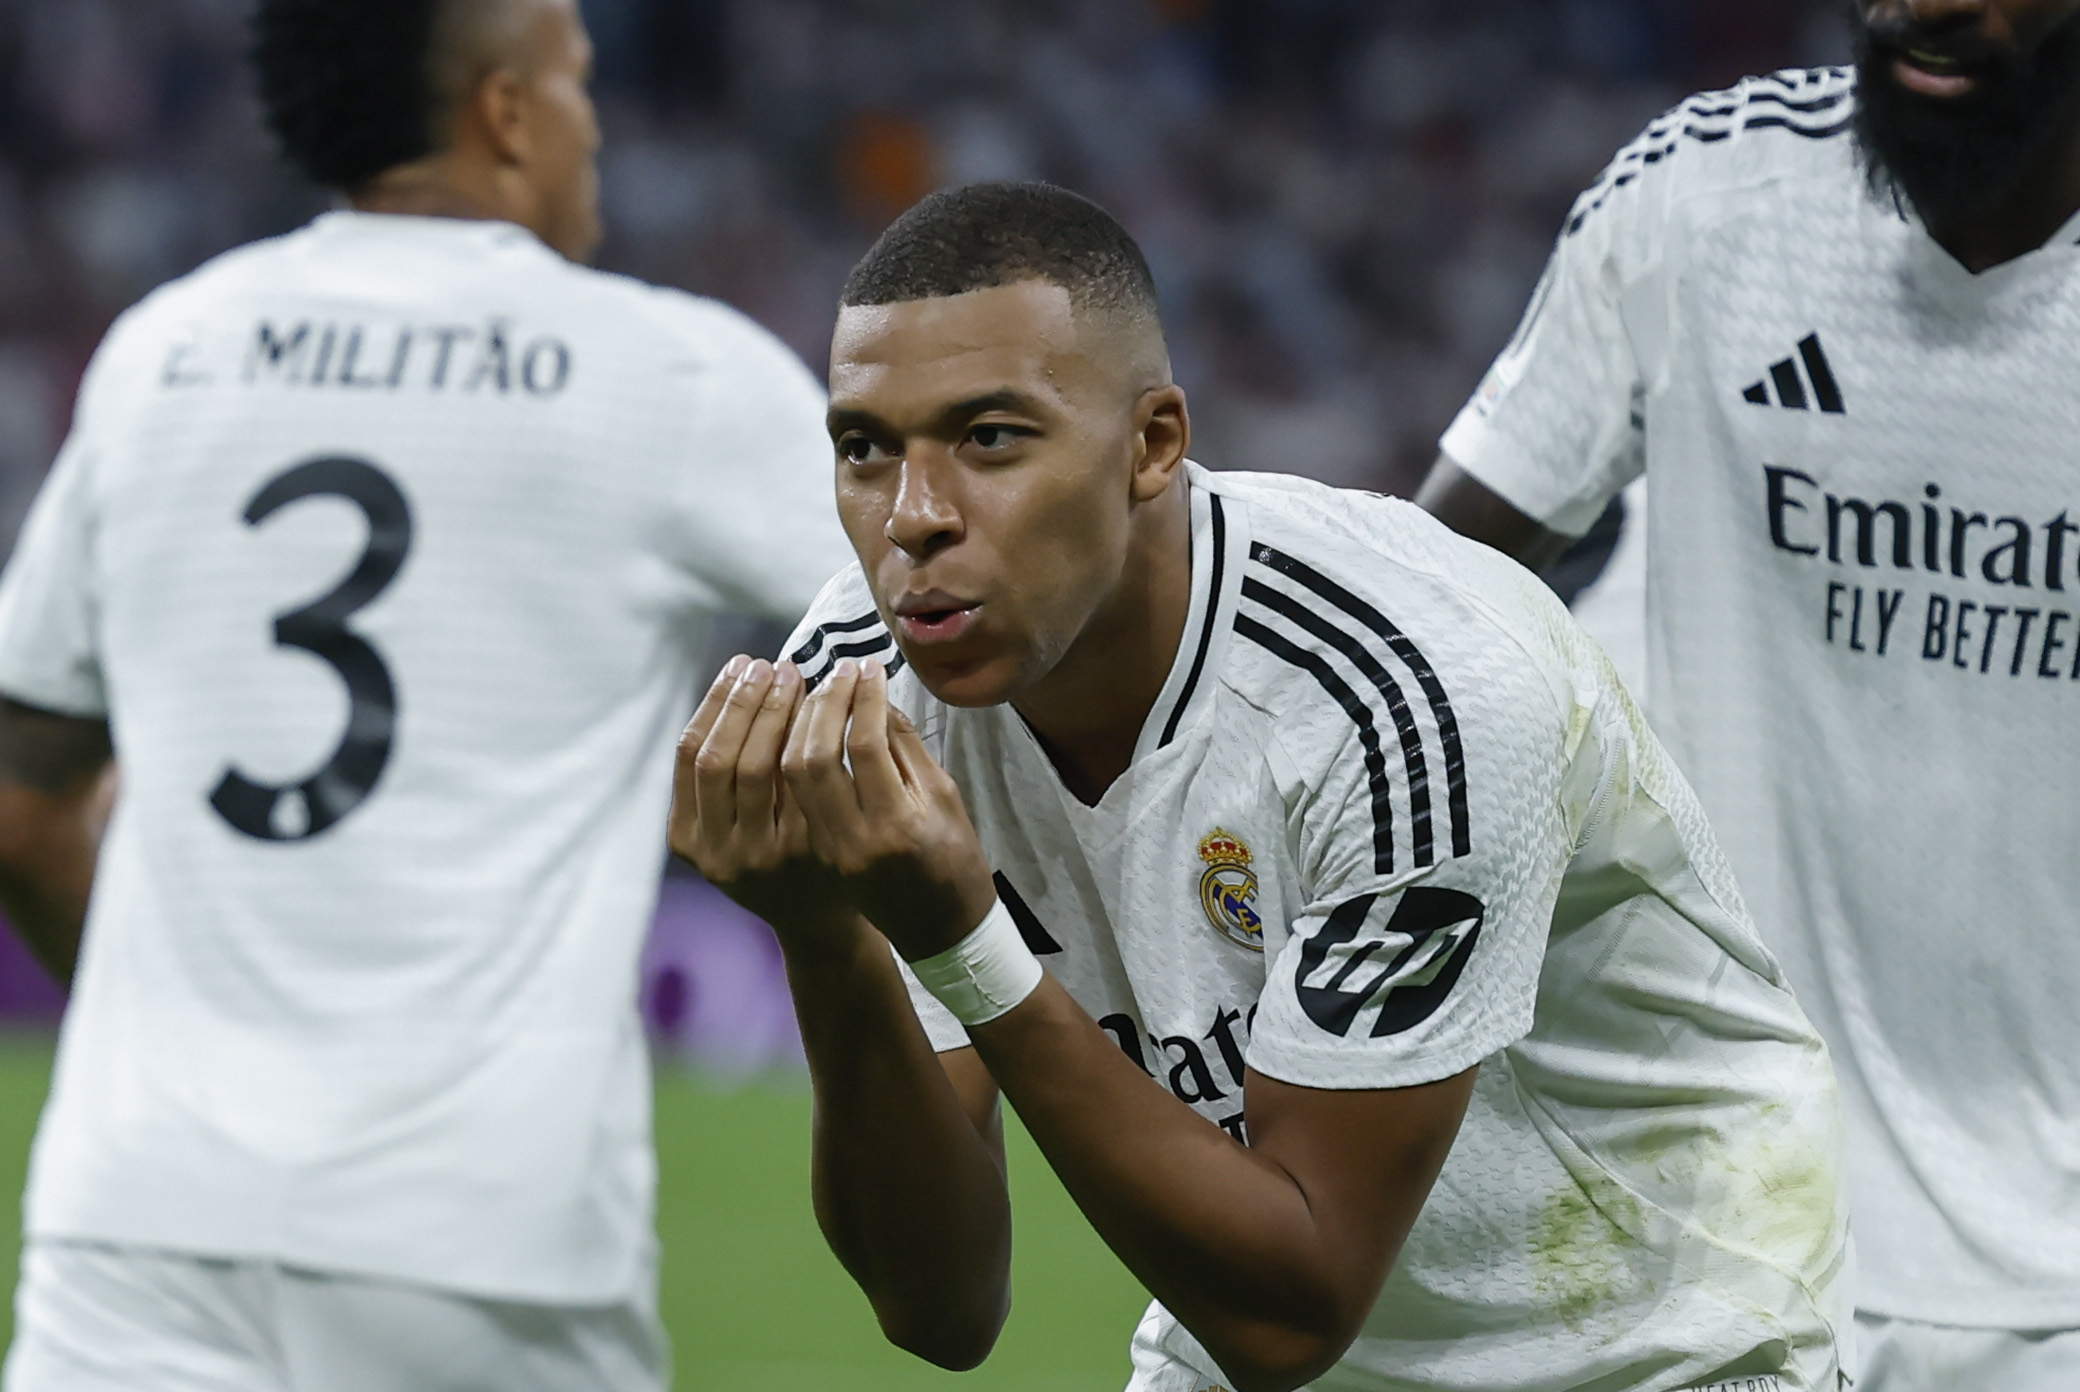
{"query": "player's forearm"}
[(57, 784), (49, 844), (1470, 508), (909, 1192), (1221, 1234)]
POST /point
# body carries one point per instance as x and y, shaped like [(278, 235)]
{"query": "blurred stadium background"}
[(1347, 203)]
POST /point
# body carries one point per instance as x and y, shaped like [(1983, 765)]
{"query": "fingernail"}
[(786, 673), (758, 670), (737, 665), (846, 668), (873, 668)]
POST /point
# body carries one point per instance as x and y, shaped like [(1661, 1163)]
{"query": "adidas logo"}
[(1796, 391)]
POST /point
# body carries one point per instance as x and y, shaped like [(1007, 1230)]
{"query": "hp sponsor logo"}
[(1403, 971)]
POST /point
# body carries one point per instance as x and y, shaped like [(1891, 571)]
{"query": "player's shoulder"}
[(1358, 609), (453, 262), (194, 295), (1762, 130), (690, 329), (1402, 682), (231, 270), (1372, 552), (134, 346)]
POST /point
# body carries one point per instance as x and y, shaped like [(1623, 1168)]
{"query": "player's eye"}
[(996, 437), (858, 449)]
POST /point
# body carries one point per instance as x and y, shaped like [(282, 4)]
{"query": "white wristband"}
[(984, 974)]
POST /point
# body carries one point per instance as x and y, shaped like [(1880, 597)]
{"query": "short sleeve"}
[(762, 505), (49, 599), (1389, 981), (1558, 426)]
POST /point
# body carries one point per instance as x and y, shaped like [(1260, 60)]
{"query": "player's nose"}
[(925, 518), (1935, 16)]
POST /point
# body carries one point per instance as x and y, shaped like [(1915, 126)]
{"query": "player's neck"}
[(2044, 202), (431, 188), (1088, 712)]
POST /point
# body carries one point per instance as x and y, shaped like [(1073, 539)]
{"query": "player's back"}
[(399, 537)]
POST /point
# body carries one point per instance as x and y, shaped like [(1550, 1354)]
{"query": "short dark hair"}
[(986, 235), (347, 86)]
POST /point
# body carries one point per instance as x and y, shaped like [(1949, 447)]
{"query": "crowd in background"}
[(1346, 201)]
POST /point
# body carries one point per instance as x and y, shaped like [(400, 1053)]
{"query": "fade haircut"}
[(354, 87), (987, 235)]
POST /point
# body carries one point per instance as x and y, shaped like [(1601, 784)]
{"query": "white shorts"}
[(1908, 1356), (91, 1318)]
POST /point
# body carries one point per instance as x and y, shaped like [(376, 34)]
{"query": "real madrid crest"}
[(1228, 888)]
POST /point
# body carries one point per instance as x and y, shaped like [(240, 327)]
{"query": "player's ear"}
[(497, 114), (1162, 437)]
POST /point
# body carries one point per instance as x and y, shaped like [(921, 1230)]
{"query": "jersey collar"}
[(1937, 266), (472, 234), (1219, 544)]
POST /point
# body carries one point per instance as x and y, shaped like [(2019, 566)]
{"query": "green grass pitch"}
[(753, 1299)]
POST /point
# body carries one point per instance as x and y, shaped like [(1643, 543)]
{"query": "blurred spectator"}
[(1346, 200), (1346, 203)]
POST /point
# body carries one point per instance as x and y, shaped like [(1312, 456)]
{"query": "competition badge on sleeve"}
[(1228, 889)]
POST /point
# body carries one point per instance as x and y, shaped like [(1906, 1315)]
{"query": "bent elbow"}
[(960, 1354), (1284, 1360), (956, 1340), (1281, 1377), (1280, 1380)]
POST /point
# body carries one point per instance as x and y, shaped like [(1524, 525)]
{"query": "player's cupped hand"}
[(732, 816), (884, 817)]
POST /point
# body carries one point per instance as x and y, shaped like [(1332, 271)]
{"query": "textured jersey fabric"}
[(1392, 817), (1612, 608), (1864, 636), (387, 548)]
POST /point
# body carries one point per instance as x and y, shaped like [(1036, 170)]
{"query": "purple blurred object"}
[(28, 996), (714, 991)]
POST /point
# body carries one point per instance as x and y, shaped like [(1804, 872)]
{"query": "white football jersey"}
[(1392, 817), (387, 548), (1863, 613), (1612, 608)]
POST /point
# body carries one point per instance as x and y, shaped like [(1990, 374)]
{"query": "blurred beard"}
[(1956, 161)]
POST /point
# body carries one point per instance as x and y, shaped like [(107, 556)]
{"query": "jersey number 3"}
[(299, 811)]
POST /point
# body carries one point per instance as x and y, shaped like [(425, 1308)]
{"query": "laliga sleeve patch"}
[(1405, 969)]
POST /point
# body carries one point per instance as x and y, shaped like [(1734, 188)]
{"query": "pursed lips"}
[(935, 616)]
